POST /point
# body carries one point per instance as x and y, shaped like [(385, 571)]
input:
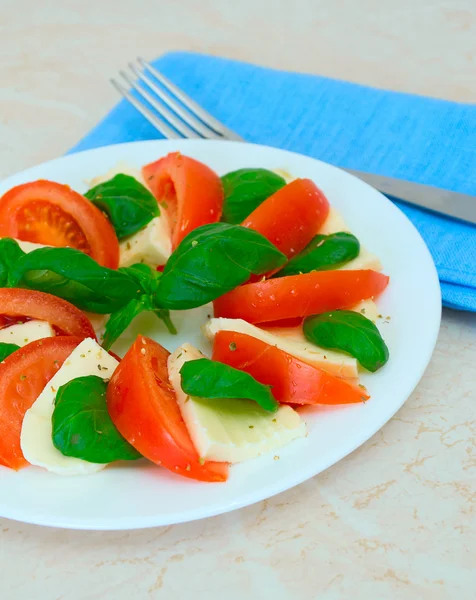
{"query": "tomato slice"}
[(300, 295), (292, 381), (53, 214), (291, 217), (190, 191), (143, 407), (23, 375), (17, 302)]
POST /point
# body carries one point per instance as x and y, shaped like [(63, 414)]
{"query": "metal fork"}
[(187, 119)]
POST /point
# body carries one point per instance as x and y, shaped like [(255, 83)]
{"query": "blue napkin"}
[(411, 137)]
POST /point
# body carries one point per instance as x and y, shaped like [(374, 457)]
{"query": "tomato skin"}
[(293, 381), (288, 323), (189, 190), (143, 406), (23, 375), (18, 302), (53, 214), (300, 295), (291, 217)]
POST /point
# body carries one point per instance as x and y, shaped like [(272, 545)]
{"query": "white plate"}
[(125, 497)]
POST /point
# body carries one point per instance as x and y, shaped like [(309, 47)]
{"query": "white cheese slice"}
[(231, 430), (120, 167), (24, 333), (334, 223), (290, 340), (151, 245), (365, 260), (285, 174), (368, 308), (36, 443)]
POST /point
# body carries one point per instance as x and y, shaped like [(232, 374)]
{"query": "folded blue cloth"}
[(410, 137)]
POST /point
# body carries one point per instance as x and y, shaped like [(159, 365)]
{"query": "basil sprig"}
[(245, 190), (74, 276), (7, 349), (10, 252), (82, 427), (350, 332), (129, 205), (323, 252), (145, 277), (147, 281), (213, 260), (205, 378)]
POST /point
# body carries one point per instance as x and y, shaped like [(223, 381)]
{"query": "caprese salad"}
[(293, 295)]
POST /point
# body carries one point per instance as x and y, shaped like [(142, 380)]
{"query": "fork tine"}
[(189, 118), (162, 110), (190, 104), (164, 129)]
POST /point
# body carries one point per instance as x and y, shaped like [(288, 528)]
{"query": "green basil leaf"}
[(206, 378), (74, 276), (82, 427), (10, 252), (350, 332), (212, 260), (146, 278), (7, 349), (129, 205), (245, 190), (323, 252)]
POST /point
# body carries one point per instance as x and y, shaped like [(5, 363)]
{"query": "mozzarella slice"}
[(334, 223), (368, 308), (290, 340), (24, 333), (151, 245), (285, 174), (365, 260), (88, 358), (120, 167), (231, 430)]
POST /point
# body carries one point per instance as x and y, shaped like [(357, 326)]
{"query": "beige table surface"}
[(396, 519)]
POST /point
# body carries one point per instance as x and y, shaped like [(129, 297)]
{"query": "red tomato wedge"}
[(189, 190), (143, 407), (292, 380), (300, 295), (291, 217), (69, 320), (53, 214), (23, 375)]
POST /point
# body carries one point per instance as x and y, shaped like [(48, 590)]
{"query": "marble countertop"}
[(396, 519)]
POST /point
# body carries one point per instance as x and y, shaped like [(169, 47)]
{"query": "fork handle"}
[(444, 202)]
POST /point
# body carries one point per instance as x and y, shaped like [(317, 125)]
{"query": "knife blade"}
[(447, 203)]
